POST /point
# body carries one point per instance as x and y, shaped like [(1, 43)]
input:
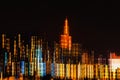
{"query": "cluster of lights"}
[(68, 60)]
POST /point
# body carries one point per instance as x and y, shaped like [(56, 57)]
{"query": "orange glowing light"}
[(65, 38), (11, 78), (113, 55), (66, 29)]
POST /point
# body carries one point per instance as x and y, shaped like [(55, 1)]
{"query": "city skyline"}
[(33, 59), (91, 23), (60, 40)]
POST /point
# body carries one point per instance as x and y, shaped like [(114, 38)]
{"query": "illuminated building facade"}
[(66, 39), (114, 63), (25, 59), (66, 60), (67, 56)]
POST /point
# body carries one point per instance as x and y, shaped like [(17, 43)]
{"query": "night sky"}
[(94, 24)]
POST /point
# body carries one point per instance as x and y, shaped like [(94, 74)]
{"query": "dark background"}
[(94, 24)]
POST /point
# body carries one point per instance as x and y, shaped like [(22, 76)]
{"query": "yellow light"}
[(88, 71), (74, 68), (96, 71), (61, 70), (106, 71), (68, 71), (101, 71), (91, 71), (83, 71), (118, 73), (79, 71), (72, 71), (57, 70), (13, 69)]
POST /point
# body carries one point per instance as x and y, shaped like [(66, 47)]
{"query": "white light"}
[(114, 63)]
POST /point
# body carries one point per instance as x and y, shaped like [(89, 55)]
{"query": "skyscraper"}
[(66, 39), (67, 55)]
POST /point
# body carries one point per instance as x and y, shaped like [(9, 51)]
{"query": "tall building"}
[(66, 55), (66, 39)]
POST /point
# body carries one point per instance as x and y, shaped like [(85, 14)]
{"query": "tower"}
[(65, 41), (66, 55)]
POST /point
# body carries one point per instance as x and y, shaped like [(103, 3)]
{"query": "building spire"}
[(66, 27), (66, 39)]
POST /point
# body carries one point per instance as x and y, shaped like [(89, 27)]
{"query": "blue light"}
[(42, 69), (22, 66), (5, 58), (39, 54), (52, 69)]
